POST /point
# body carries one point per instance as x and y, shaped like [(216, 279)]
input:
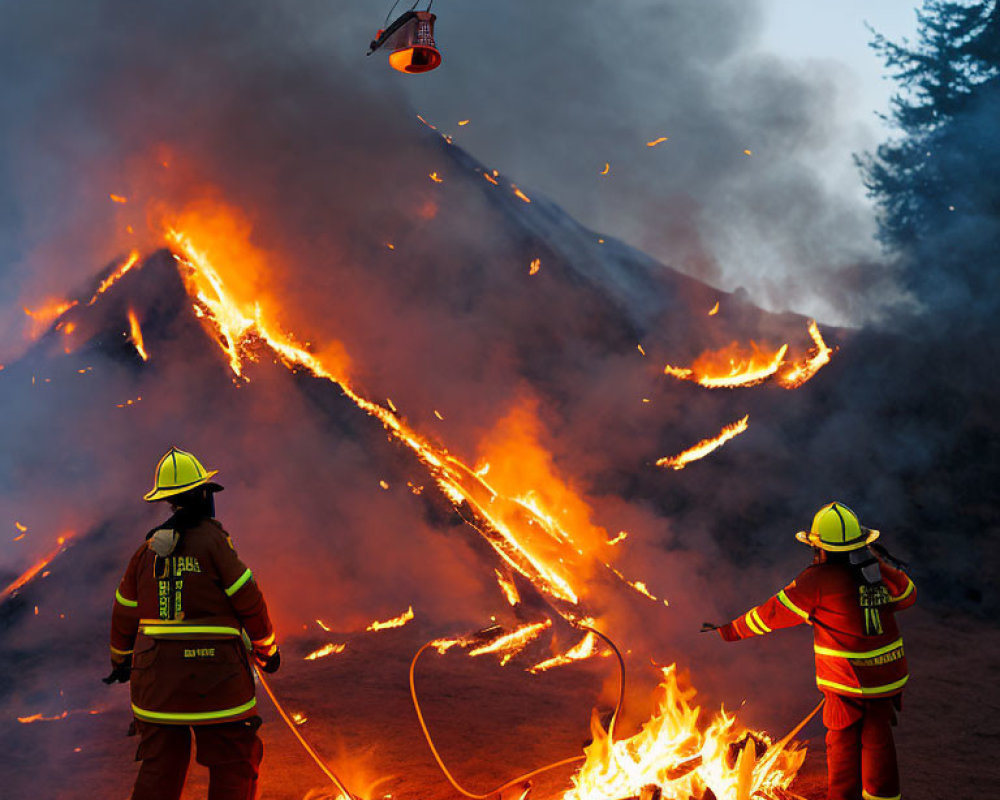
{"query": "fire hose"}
[(302, 740), (611, 727), (339, 784), (520, 778)]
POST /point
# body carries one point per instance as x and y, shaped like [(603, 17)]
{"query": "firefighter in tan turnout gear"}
[(850, 596), (182, 613)]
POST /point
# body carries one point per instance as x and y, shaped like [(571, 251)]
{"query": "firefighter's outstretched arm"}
[(240, 586), (792, 606), (124, 623), (902, 591)]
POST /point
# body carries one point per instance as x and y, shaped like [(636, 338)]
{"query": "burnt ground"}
[(492, 723)]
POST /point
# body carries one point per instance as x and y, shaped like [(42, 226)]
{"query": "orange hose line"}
[(305, 745), (520, 778)]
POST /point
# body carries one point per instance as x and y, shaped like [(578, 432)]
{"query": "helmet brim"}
[(155, 495), (813, 540)]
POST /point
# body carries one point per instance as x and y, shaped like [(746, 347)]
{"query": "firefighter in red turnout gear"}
[(182, 612), (850, 596)]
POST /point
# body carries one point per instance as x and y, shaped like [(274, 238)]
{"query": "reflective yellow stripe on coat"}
[(827, 651), (862, 690), (125, 601), (187, 718)]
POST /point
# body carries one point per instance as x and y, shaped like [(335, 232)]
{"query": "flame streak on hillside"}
[(737, 366), (395, 622), (706, 446), (37, 567), (731, 367), (326, 650), (510, 525), (135, 335), (582, 650), (508, 588), (511, 644), (55, 718), (820, 356), (44, 316), (115, 276), (673, 752)]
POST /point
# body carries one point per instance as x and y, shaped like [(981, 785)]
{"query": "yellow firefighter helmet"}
[(177, 472), (835, 527)]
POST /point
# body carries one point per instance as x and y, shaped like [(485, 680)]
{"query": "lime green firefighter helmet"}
[(835, 527), (177, 472)]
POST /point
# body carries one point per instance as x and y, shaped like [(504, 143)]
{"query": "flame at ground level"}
[(395, 622), (685, 759)]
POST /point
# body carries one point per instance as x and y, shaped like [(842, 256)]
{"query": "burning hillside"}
[(166, 337)]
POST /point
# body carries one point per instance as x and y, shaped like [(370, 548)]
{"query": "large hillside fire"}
[(533, 520)]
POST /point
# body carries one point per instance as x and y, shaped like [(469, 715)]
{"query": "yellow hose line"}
[(520, 778), (305, 745)]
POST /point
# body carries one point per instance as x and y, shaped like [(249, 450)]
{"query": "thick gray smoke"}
[(274, 111), (86, 87)]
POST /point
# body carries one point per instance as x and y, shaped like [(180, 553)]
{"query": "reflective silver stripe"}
[(181, 718), (783, 599), (118, 652), (889, 687), (828, 651), (238, 584), (125, 601), (870, 796)]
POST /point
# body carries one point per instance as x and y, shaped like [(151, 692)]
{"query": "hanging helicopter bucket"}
[(410, 40)]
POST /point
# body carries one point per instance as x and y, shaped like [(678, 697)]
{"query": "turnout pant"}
[(860, 752), (232, 751)]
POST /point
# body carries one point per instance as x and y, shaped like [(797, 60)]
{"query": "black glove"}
[(121, 671), (269, 663), (708, 626)]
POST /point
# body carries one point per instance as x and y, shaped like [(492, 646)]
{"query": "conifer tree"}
[(937, 185)]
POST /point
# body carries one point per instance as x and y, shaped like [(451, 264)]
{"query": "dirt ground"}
[(492, 723)]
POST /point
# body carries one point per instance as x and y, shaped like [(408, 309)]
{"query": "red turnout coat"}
[(849, 661), (182, 619)]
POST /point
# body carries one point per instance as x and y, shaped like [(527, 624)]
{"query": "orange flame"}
[(606, 170), (731, 367), (508, 588), (325, 650), (136, 335), (44, 316), (736, 366), (535, 543), (42, 718), (715, 309), (520, 194), (656, 141), (38, 566), (117, 198), (582, 650), (706, 446), (685, 759), (395, 622), (511, 644), (108, 282), (799, 373), (534, 266)]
